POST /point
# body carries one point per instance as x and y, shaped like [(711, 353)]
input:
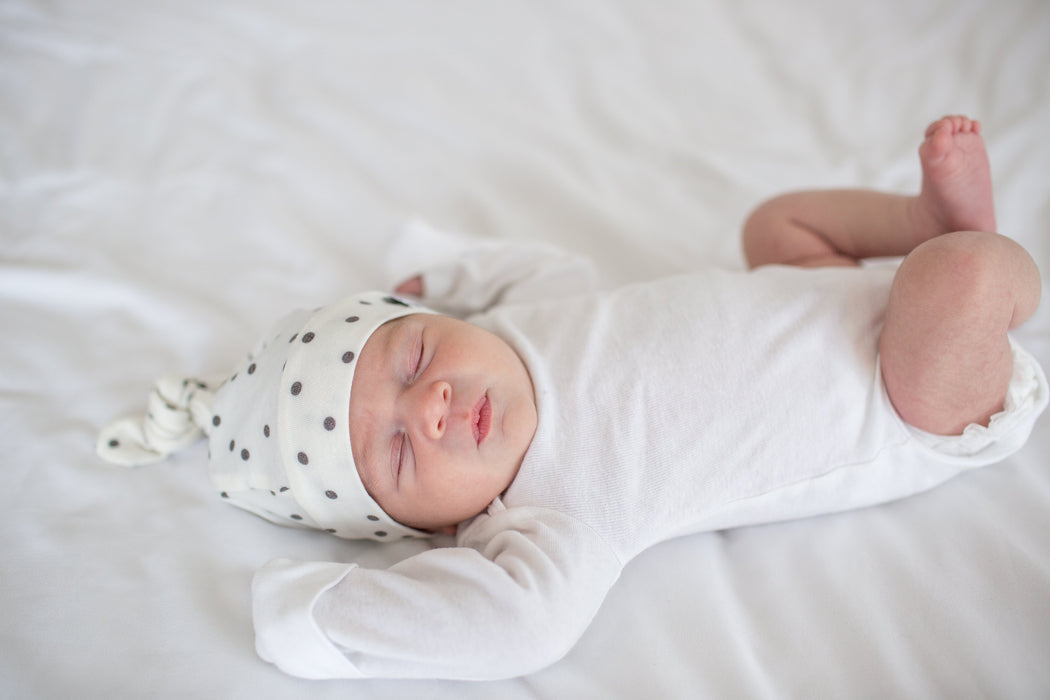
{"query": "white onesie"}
[(694, 403)]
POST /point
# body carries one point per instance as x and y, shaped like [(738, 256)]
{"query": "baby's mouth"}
[(481, 419)]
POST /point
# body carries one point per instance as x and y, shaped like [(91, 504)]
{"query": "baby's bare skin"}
[(946, 359), (840, 227), (956, 190)]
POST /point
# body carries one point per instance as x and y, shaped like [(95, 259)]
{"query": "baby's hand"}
[(412, 287)]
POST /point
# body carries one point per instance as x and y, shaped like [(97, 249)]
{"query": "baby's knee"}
[(976, 269), (945, 355)]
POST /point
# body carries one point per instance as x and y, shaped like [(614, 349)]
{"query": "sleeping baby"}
[(558, 431)]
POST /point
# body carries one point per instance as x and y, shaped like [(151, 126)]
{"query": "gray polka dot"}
[(297, 387), (329, 423)]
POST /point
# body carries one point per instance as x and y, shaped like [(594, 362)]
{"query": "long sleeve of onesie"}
[(521, 585), (463, 276), (514, 596)]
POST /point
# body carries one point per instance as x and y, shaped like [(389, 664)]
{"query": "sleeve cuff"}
[(1007, 431), (284, 594)]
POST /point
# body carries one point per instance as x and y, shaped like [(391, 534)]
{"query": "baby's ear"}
[(412, 287)]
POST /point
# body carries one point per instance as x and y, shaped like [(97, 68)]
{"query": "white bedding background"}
[(174, 174)]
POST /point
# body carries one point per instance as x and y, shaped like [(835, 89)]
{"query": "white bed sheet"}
[(174, 174)]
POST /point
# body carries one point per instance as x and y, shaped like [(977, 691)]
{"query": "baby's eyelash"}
[(401, 454), (418, 363)]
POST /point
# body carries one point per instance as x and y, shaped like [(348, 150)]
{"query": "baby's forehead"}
[(378, 353), (391, 326), (383, 335)]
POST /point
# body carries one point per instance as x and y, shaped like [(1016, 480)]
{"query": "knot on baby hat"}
[(178, 413), (279, 434)]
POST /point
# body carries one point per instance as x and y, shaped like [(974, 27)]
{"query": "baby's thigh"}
[(946, 359)]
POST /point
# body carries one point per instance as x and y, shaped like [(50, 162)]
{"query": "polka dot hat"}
[(279, 434)]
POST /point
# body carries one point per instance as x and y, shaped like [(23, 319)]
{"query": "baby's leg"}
[(946, 360), (839, 227)]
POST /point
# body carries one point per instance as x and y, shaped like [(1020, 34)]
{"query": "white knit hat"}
[(279, 434)]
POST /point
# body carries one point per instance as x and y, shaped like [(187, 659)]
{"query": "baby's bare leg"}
[(946, 360), (839, 227), (945, 356)]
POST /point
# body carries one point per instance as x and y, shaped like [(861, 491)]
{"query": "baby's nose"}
[(434, 407)]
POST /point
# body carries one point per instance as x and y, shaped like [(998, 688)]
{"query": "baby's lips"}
[(481, 419)]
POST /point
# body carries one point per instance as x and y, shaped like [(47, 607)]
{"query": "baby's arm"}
[(461, 276), (513, 598)]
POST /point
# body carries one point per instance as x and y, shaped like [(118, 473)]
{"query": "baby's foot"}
[(956, 178)]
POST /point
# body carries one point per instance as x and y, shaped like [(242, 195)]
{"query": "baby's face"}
[(441, 414)]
